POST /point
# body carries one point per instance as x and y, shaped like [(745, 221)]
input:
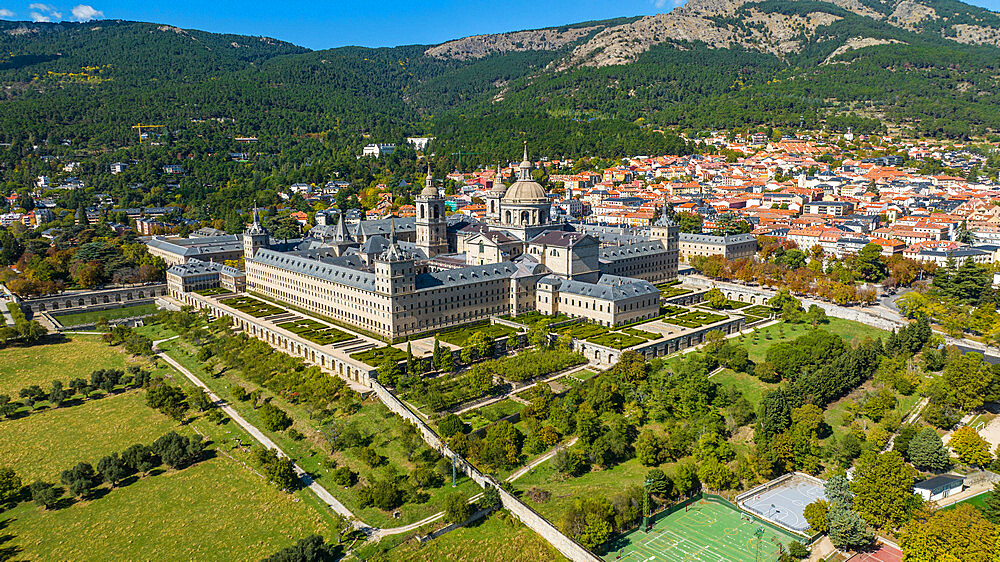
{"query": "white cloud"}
[(659, 3), (44, 12), (5, 13), (83, 12)]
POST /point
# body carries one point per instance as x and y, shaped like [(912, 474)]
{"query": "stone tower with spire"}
[(255, 238), (394, 269), (432, 226), (493, 197)]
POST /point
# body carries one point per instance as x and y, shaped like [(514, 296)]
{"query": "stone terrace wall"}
[(758, 295)]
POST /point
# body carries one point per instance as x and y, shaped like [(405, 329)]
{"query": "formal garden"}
[(459, 336), (695, 319), (316, 332), (372, 460), (380, 355), (93, 316), (254, 307)]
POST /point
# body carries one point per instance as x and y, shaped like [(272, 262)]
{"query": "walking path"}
[(306, 479), (528, 467)]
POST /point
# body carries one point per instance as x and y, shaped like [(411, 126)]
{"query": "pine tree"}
[(991, 507)]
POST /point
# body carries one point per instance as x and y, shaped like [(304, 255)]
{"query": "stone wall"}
[(78, 301), (759, 295)]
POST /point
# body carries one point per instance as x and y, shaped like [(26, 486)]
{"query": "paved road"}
[(306, 479)]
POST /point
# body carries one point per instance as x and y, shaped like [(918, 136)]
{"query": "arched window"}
[(481, 247), (421, 211)]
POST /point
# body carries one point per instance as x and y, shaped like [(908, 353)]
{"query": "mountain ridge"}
[(927, 66)]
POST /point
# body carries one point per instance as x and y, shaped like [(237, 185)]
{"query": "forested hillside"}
[(926, 68)]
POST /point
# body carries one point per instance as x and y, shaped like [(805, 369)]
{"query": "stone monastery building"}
[(399, 278)]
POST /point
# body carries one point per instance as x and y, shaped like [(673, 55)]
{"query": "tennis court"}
[(784, 500), (707, 531)]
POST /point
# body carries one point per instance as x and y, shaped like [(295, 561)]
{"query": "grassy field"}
[(595, 483), (751, 387), (500, 537), (91, 317), (217, 507), (75, 357), (87, 431), (757, 344)]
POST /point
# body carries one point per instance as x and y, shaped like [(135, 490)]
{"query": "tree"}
[(178, 451), (991, 507), (968, 380), (10, 486), (112, 469), (716, 299), (450, 425), (927, 452), (456, 508), (274, 418), (80, 479), (659, 484), (868, 263), (848, 530), (686, 479), (970, 447), (883, 489), (816, 514), (388, 371), (775, 412), (44, 494), (955, 534), (198, 398), (168, 399), (688, 222), (310, 549), (491, 498), (57, 394), (648, 449), (717, 476), (140, 458)]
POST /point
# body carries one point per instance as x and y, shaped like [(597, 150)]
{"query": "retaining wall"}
[(78, 301)]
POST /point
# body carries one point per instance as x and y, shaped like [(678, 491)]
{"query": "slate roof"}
[(609, 288), (616, 253), (198, 246), (314, 268), (466, 275)]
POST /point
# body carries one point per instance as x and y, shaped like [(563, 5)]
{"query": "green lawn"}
[(217, 508), (978, 502), (40, 364), (757, 344), (499, 537), (595, 483), (64, 437), (481, 417), (751, 387), (82, 318)]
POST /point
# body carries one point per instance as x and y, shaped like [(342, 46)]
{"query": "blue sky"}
[(320, 25)]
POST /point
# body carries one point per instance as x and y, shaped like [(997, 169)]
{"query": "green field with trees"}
[(98, 506)]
